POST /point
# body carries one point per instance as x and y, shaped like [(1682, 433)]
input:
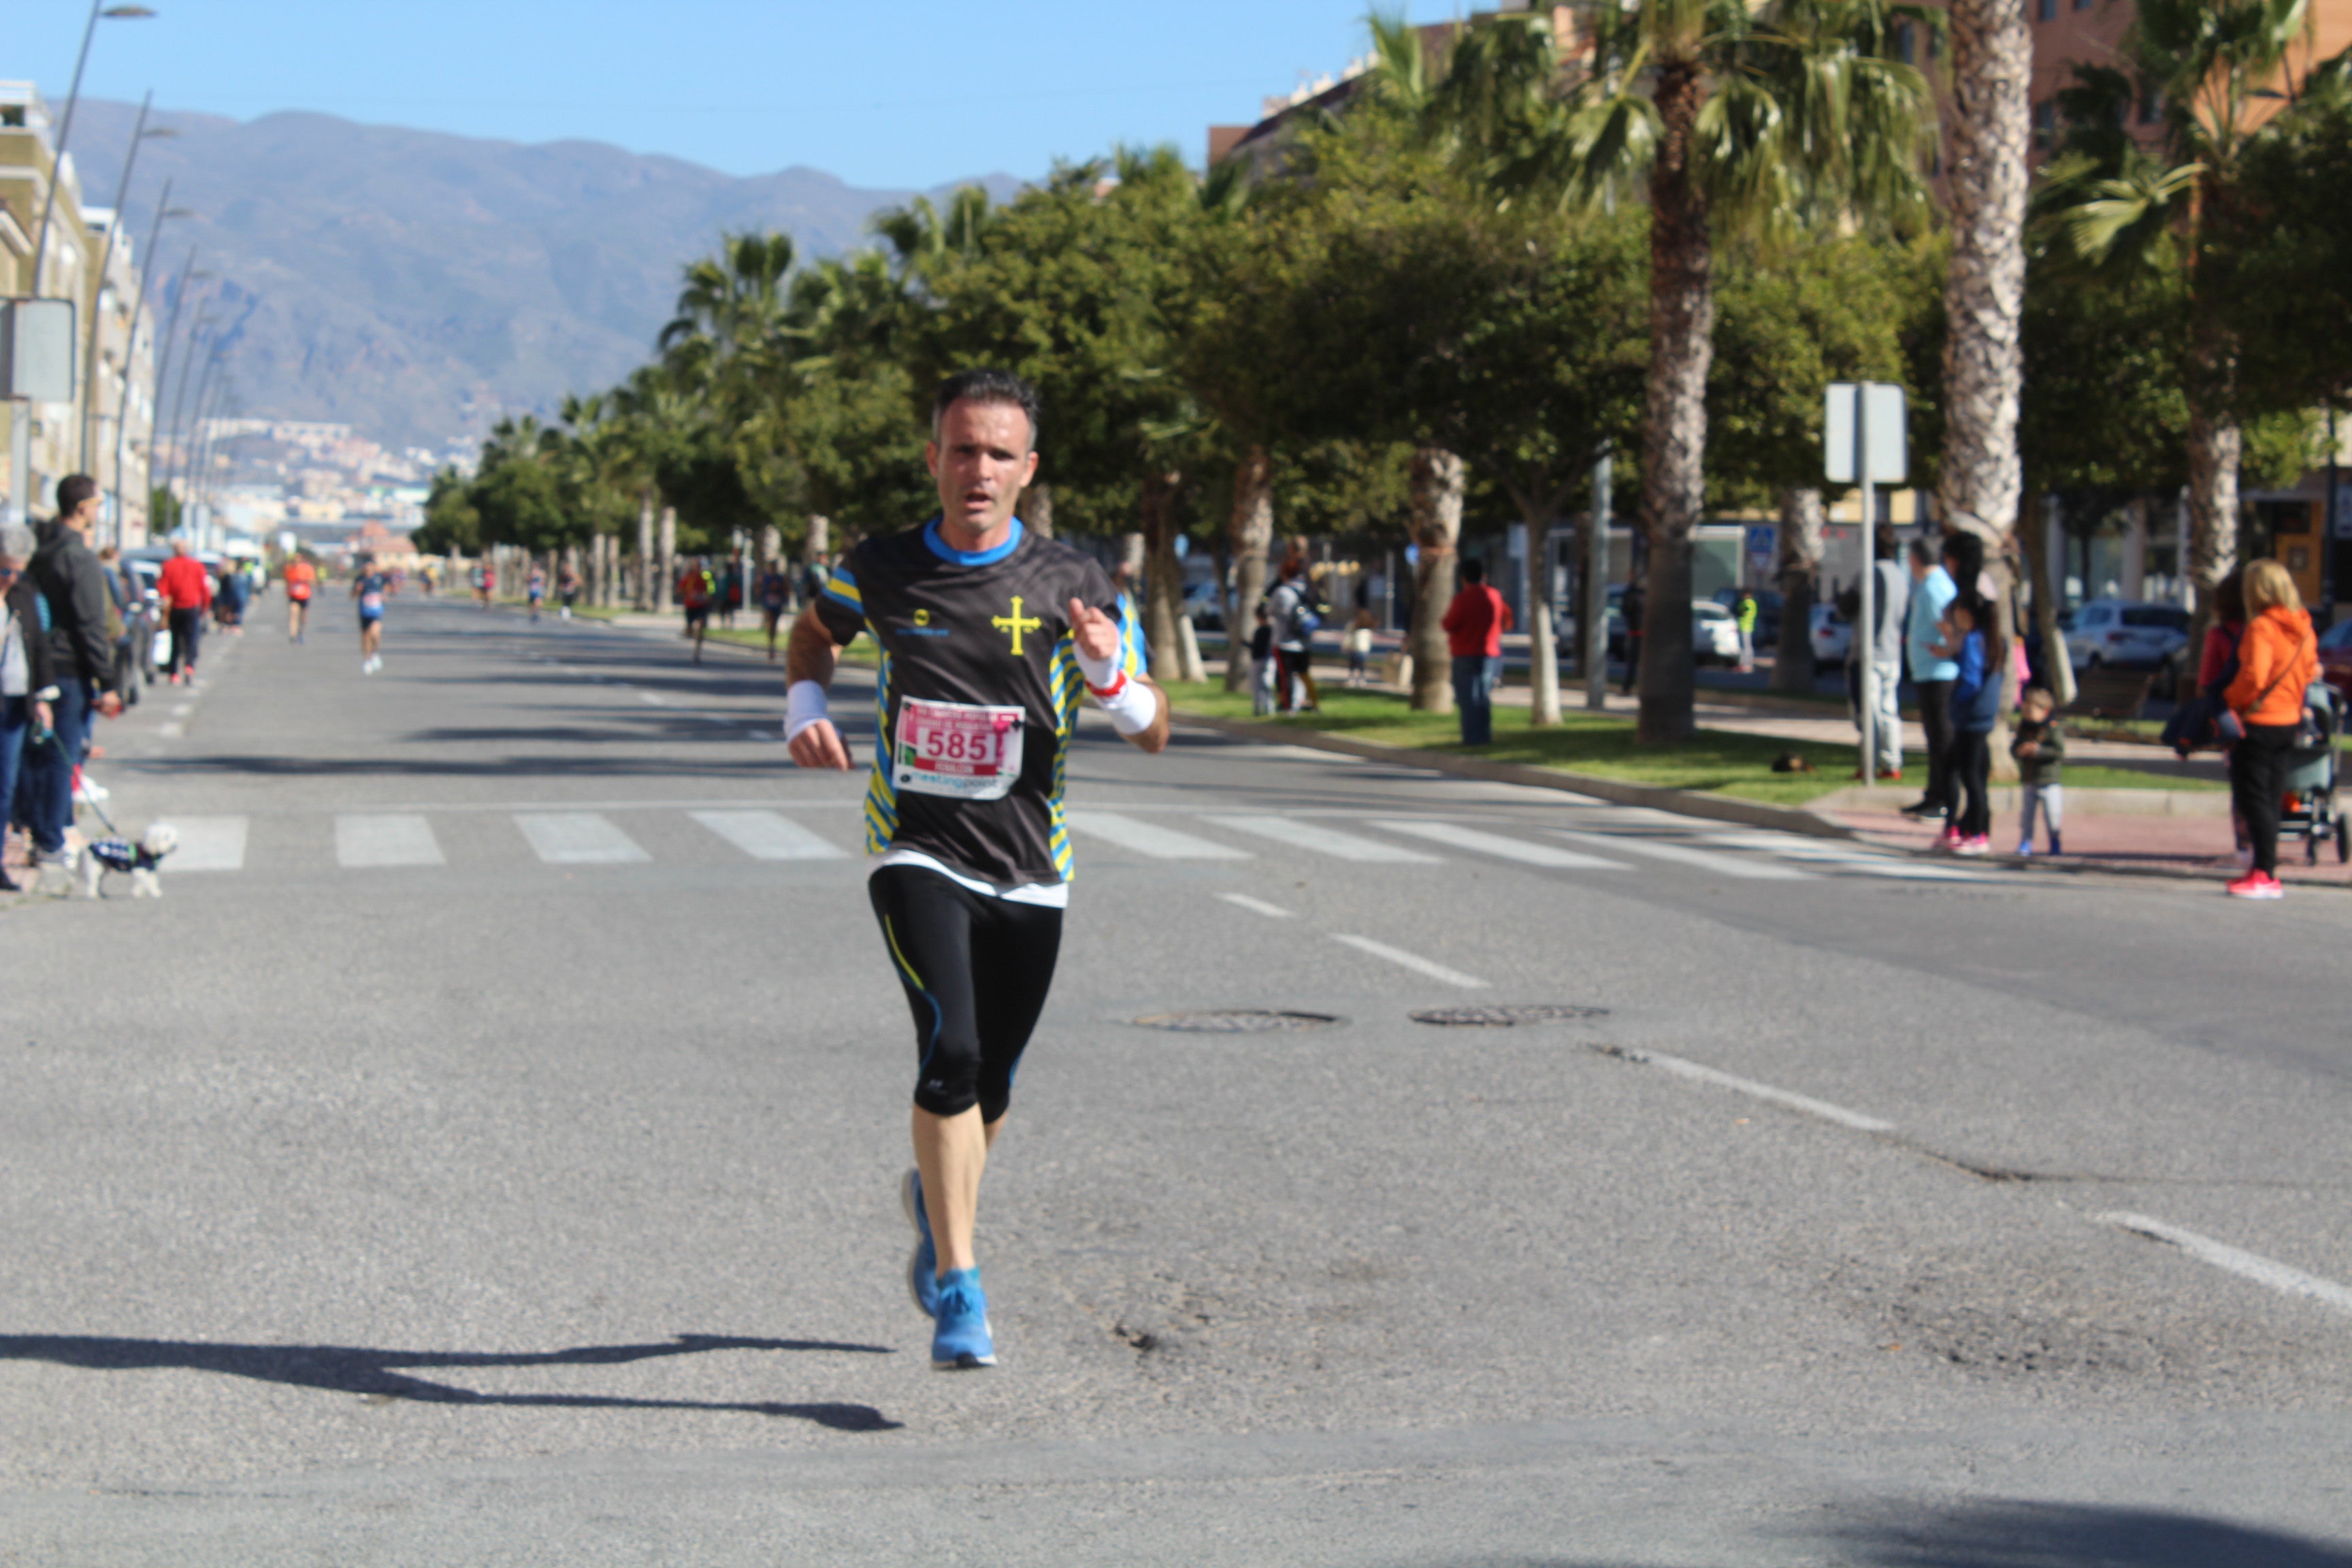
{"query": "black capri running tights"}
[(976, 970)]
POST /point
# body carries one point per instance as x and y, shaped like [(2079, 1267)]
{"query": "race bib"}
[(957, 749), (371, 603)]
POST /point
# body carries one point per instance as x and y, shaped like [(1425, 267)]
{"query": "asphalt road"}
[(485, 1153)]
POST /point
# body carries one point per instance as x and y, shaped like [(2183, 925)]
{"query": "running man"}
[(775, 593), (370, 588), (301, 581), (567, 589), (694, 593), (534, 588), (990, 638)]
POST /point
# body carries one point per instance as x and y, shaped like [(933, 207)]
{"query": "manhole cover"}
[(1503, 1018), (1236, 1021)]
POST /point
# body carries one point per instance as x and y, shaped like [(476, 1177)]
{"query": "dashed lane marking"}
[(1411, 960), (2279, 1277), (1750, 1087), (1259, 906), (208, 844)]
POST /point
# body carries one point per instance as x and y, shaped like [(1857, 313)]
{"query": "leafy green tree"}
[(451, 526)]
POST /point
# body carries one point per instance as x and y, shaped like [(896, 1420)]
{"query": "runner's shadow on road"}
[(372, 1373), (2014, 1534)]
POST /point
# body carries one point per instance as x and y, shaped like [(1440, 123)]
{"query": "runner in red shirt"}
[(302, 582), (187, 591)]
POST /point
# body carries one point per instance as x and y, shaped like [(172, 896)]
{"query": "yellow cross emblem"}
[(1015, 623)]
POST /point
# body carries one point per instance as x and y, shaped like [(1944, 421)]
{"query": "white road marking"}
[(655, 698), (172, 729), (1411, 960), (1683, 855), (1793, 847), (1151, 839), (398, 840), (1494, 844), (1215, 753), (578, 839), (759, 735), (208, 844), (766, 835), (2279, 1277), (1764, 1091), (182, 709), (1299, 834), (1259, 906)]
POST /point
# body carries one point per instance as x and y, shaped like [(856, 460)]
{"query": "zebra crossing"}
[(620, 834)]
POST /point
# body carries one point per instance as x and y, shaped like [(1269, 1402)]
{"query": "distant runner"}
[(301, 581), (567, 589), (370, 589), (694, 593), (534, 588), (776, 593), (991, 636)]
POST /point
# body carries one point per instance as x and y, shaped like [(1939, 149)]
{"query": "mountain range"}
[(416, 285)]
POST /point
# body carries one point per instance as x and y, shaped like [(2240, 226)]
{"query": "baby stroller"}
[(2310, 812)]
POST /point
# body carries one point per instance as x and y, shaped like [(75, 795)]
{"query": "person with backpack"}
[(1291, 607), (2277, 660)]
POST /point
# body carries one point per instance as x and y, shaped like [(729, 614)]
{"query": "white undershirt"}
[(1044, 895), (16, 669)]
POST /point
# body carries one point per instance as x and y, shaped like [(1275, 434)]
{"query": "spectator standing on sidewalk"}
[(1263, 673), (1975, 710), (2039, 748), (1291, 608), (2276, 662), (1358, 645), (27, 684), (2217, 667), (72, 586), (1634, 607), (187, 590), (1930, 595), (229, 600), (1885, 650), (1743, 616), (1474, 624)]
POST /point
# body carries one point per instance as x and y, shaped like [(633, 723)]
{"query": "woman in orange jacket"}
[(2277, 660)]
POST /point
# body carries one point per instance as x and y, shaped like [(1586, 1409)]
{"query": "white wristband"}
[(1131, 709), (804, 704), (1099, 672)]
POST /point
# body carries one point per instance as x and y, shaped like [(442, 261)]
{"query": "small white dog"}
[(142, 859)]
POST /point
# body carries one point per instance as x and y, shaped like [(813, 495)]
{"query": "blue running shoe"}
[(961, 1341), (923, 1268)]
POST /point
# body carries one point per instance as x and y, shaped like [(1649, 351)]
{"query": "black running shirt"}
[(961, 633)]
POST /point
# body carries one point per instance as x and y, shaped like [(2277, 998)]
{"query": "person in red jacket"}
[(187, 590), (1474, 624)]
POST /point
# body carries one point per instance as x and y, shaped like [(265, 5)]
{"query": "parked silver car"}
[(2130, 632)]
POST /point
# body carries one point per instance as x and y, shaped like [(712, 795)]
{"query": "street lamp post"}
[(97, 8), (180, 397), (164, 209), (105, 261)]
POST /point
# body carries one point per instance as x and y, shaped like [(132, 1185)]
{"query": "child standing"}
[(1358, 643), (2039, 748)]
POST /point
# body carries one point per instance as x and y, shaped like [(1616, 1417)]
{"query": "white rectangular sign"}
[(1883, 405)]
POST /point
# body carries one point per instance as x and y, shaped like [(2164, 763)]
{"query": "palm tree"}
[(1749, 124), (2217, 67)]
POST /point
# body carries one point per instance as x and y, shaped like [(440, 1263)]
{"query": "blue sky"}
[(909, 93)]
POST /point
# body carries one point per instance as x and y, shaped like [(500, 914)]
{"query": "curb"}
[(1679, 802), (2084, 865)]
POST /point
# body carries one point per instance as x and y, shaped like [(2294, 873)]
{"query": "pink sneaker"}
[(2257, 885), (1948, 841), (1980, 845)]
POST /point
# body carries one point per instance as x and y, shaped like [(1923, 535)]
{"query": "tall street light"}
[(105, 261), (196, 330), (97, 8), (164, 210)]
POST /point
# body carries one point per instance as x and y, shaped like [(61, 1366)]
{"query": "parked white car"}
[(2123, 632), (1833, 636), (1714, 633)]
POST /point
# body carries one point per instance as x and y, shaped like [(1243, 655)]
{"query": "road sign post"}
[(1862, 431)]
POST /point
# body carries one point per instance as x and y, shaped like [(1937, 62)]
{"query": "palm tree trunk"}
[(1163, 576), (1437, 525), (2034, 542), (1799, 573), (1988, 132), (1037, 509), (645, 600), (1673, 413), (1250, 533), (665, 560)]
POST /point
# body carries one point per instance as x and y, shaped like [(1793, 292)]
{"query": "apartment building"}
[(88, 262)]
